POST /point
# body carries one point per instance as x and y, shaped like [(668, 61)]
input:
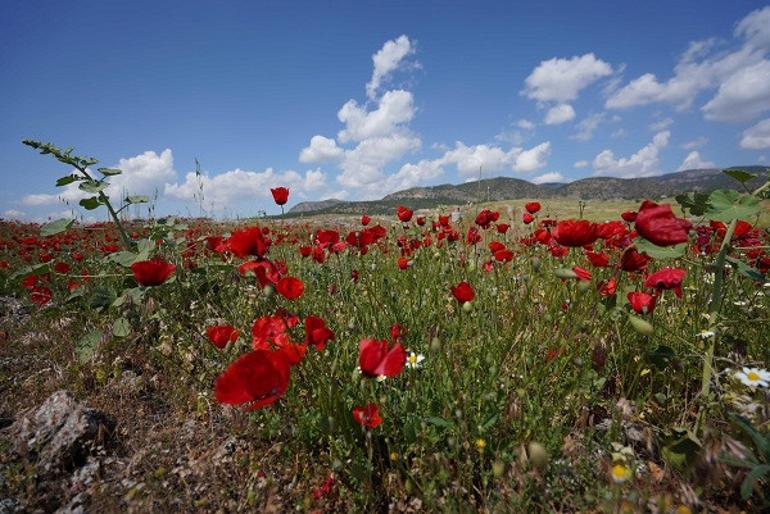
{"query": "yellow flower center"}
[(620, 473), (481, 443), (413, 359), (753, 376)]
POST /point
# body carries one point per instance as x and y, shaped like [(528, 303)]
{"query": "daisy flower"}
[(620, 473), (414, 360), (754, 377)]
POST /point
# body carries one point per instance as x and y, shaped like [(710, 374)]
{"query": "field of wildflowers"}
[(498, 363)]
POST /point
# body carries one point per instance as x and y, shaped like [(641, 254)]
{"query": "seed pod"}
[(468, 306), (565, 273), (538, 455), (642, 326), (583, 286), (435, 344), (268, 291), (498, 468)]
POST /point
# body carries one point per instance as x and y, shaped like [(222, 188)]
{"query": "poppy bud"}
[(331, 423), (583, 286), (467, 307), (565, 273), (538, 455), (435, 344), (268, 291), (641, 326), (472, 266), (498, 468)]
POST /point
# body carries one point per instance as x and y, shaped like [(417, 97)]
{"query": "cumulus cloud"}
[(468, 159), (757, 137), (224, 189), (587, 126), (693, 161), (581, 164), (143, 174), (695, 143), (559, 114), (363, 166), (740, 74), (560, 80), (663, 124), (13, 214), (320, 149), (533, 159), (643, 163), (387, 60), (545, 178), (525, 124)]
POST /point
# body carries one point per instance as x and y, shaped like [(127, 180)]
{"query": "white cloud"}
[(387, 60), (525, 124), (143, 174), (693, 161), (222, 190), (757, 137), (588, 125), (657, 126), (643, 163), (13, 214), (743, 96), (364, 165), (533, 159), (394, 109), (621, 132), (320, 149), (704, 67), (560, 80), (559, 114), (469, 159), (545, 178), (695, 143), (581, 164)]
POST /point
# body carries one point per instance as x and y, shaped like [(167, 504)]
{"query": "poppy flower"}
[(153, 272), (403, 263), (504, 255), (657, 224), (463, 292), (280, 195), (485, 217), (532, 207), (575, 233), (582, 273), (502, 228), (290, 287), (598, 259), (641, 302), (667, 278), (40, 295), (249, 241), (527, 218), (367, 416), (220, 335), (629, 216), (377, 360), (404, 214), (607, 287), (632, 260), (257, 379), (420, 220), (317, 333), (365, 220), (271, 331)]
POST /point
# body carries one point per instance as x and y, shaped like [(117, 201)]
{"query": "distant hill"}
[(507, 188)]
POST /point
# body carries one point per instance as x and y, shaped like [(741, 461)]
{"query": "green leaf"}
[(682, 452), (41, 267), (753, 475), (662, 356), (68, 179), (109, 172), (740, 175), (90, 203), (124, 258), (132, 294), (727, 205), (86, 346), (660, 252), (55, 227), (102, 297), (439, 422), (93, 186), (696, 203), (121, 327), (137, 199), (746, 270)]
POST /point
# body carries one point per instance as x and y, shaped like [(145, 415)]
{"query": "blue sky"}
[(358, 99)]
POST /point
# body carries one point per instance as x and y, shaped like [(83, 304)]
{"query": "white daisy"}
[(706, 334), (754, 377), (414, 360)]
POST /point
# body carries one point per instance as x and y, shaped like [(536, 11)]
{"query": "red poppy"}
[(632, 260), (532, 207), (667, 278), (367, 416), (61, 267), (290, 287), (403, 263), (657, 224), (598, 259), (502, 228), (317, 333), (258, 378), (153, 272), (247, 242), (575, 233), (365, 220), (40, 295), (268, 332), (641, 302), (376, 359), (504, 255), (485, 217), (463, 292), (404, 214), (280, 195), (607, 287), (220, 335), (420, 220), (527, 218), (582, 273), (629, 216)]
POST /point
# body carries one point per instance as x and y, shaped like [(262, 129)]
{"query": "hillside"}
[(507, 188)]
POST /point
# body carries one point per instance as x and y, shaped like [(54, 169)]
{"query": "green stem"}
[(106, 201)]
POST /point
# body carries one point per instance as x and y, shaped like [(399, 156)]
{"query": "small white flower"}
[(706, 334), (754, 377), (414, 360), (740, 303), (382, 378)]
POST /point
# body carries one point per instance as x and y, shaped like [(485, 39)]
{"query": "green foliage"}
[(727, 205), (55, 227)]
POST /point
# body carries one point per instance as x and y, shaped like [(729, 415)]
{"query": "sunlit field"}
[(526, 356)]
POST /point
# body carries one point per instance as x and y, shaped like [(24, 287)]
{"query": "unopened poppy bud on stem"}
[(538, 455)]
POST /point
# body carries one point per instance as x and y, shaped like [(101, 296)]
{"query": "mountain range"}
[(507, 188)]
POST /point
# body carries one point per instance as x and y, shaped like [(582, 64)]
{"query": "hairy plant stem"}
[(106, 201)]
